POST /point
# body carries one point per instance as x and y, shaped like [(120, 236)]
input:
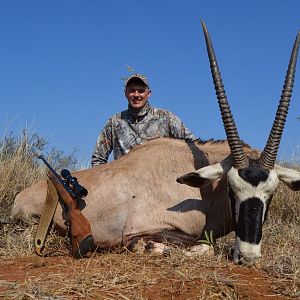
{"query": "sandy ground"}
[(133, 276)]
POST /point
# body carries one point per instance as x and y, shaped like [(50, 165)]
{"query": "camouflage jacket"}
[(129, 128)]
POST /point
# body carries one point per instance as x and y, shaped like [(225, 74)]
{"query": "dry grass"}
[(20, 169), (281, 256), (133, 276)]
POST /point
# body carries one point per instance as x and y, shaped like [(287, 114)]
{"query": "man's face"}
[(137, 95)]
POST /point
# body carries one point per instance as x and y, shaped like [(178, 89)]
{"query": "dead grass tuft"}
[(19, 168)]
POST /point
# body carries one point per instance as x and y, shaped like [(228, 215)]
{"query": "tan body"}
[(138, 196)]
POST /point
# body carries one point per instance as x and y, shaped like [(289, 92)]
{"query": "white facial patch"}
[(245, 249)]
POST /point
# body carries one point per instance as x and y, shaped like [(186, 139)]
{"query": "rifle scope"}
[(77, 188)]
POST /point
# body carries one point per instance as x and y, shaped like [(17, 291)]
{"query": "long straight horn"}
[(268, 156), (239, 158)]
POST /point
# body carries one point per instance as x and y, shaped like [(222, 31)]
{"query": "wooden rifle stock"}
[(80, 229)]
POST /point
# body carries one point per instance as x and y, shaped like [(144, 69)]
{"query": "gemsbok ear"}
[(207, 174), (289, 177)]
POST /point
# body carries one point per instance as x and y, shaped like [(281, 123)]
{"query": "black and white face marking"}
[(249, 190)]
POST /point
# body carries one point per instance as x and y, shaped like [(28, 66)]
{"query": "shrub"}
[(19, 168)]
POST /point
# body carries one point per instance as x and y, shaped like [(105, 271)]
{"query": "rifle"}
[(70, 192)]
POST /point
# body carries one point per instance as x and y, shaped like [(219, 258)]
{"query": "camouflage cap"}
[(137, 76)]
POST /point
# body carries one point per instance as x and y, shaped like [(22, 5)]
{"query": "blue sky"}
[(61, 64)]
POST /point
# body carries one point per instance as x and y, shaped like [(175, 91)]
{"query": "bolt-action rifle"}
[(70, 193)]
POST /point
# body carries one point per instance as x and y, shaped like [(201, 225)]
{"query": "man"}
[(136, 125)]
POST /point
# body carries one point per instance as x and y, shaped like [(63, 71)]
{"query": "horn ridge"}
[(269, 154), (239, 158)]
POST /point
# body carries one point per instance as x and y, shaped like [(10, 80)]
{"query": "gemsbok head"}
[(251, 183)]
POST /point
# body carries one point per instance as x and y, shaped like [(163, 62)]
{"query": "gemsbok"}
[(141, 195)]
